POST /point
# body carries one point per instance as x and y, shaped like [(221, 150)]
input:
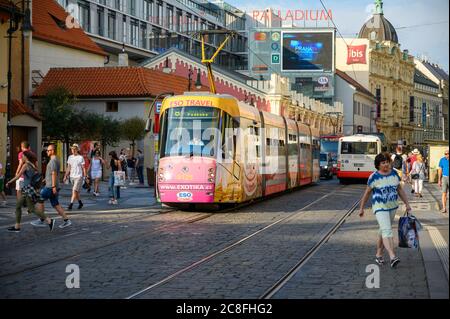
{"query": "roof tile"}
[(18, 108), (46, 14), (113, 82)]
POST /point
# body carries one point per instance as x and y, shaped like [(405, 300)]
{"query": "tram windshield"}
[(190, 131)]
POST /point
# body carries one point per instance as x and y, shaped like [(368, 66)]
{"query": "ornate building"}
[(391, 79)]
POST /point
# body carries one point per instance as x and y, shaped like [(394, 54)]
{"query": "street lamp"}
[(14, 19)]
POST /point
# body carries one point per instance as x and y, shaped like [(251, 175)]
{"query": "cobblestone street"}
[(140, 248)]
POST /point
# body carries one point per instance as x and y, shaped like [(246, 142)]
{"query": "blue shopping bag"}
[(408, 231)]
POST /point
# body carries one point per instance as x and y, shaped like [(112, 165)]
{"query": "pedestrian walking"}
[(2, 186), (95, 168), (77, 172), (412, 156), (114, 165), (443, 180), (140, 167), (24, 146), (29, 193), (51, 189), (397, 162), (131, 162), (384, 186), (418, 175)]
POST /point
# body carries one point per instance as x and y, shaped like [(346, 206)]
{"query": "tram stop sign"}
[(275, 58)]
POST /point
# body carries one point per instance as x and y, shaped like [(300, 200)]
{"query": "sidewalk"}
[(133, 196)]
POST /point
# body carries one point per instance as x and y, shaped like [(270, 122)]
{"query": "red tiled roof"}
[(18, 108), (113, 82), (46, 16), (353, 82)]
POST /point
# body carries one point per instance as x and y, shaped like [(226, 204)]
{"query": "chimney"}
[(123, 57)]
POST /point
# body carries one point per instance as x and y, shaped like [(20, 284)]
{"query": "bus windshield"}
[(367, 148), (190, 131)]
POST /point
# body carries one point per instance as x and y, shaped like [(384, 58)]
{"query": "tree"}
[(61, 122), (133, 130)]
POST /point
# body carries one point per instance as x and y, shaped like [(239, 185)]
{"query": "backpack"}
[(398, 161), (36, 180)]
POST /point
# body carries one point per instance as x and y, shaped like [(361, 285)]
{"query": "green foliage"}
[(63, 122), (60, 119), (133, 130)]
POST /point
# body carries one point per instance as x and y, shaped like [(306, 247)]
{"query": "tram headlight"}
[(211, 170), (211, 180)]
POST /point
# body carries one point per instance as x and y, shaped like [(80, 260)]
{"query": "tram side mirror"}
[(148, 125)]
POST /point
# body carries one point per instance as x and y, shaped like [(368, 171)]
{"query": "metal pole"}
[(9, 108)]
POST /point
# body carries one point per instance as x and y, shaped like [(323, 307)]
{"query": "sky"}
[(422, 25)]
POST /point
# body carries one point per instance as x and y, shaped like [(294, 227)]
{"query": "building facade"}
[(359, 105), (427, 114), (376, 61), (150, 27), (436, 74)]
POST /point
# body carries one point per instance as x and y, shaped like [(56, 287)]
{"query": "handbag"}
[(119, 178), (408, 231), (415, 176)]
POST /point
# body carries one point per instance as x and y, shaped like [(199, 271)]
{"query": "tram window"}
[(189, 131)]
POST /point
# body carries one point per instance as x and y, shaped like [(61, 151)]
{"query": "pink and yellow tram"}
[(215, 149)]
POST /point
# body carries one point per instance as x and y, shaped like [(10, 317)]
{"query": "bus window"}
[(368, 148)]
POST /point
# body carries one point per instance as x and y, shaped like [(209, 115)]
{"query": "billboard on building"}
[(309, 51)]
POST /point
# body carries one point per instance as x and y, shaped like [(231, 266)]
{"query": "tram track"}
[(165, 227), (222, 251), (310, 253)]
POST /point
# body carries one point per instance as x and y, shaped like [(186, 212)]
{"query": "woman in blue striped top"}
[(385, 187)]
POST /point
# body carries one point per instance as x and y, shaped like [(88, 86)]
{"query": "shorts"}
[(96, 174), (77, 183), (444, 184), (47, 193), (2, 183), (385, 219), (19, 184)]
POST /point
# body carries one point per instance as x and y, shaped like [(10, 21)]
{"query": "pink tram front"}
[(214, 149)]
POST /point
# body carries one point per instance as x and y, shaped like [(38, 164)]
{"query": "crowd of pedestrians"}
[(33, 188)]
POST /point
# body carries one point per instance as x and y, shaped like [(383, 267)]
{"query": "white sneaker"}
[(110, 201), (114, 202), (39, 223), (65, 224)]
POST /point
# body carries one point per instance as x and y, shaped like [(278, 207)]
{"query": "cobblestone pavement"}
[(126, 266), (121, 250), (338, 270)]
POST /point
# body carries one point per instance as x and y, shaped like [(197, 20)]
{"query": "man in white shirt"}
[(77, 171)]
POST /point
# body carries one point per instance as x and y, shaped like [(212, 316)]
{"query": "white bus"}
[(356, 156)]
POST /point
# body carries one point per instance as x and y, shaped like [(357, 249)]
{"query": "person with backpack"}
[(32, 181), (397, 161)]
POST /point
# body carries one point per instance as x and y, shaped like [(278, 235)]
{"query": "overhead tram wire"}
[(408, 27), (340, 34)]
